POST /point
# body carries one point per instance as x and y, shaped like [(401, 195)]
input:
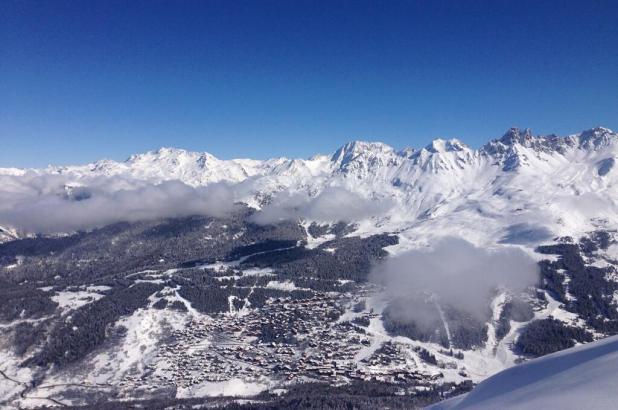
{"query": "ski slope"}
[(583, 377)]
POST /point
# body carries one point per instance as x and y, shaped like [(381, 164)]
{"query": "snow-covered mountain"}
[(546, 181), (358, 159), (576, 378)]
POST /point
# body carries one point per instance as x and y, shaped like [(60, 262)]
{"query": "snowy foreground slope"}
[(583, 377)]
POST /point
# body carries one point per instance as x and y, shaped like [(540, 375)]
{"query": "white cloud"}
[(54, 203), (459, 273), (331, 205)]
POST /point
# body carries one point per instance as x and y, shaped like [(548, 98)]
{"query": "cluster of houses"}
[(289, 340)]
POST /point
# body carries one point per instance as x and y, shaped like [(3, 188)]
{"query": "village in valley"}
[(286, 341)]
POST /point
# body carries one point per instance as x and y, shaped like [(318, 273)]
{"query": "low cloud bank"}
[(53, 203), (332, 204), (456, 273), (44, 203)]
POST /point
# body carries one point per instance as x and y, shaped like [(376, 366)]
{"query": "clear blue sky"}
[(83, 80)]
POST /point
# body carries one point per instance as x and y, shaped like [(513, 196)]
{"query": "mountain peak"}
[(362, 158), (598, 130), (596, 137), (441, 145), (171, 154), (353, 149), (515, 135)]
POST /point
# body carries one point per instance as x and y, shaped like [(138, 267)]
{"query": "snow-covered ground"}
[(583, 377)]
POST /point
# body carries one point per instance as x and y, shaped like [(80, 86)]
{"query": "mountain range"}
[(546, 181)]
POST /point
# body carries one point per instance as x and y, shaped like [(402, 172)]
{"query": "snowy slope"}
[(7, 234), (577, 378)]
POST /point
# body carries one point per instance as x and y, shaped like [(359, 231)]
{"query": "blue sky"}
[(84, 80)]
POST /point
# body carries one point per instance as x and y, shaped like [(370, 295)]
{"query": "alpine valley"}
[(178, 280)]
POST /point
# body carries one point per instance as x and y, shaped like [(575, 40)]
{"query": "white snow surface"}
[(583, 377), (233, 387)]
